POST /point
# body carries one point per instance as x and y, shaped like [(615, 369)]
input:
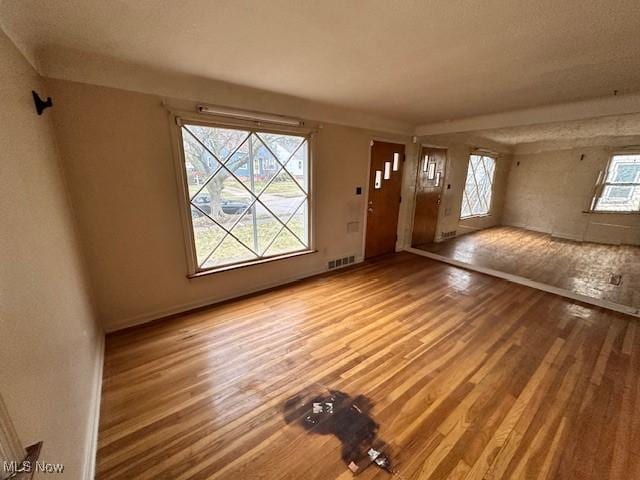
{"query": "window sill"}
[(238, 266), (610, 212), (476, 216)]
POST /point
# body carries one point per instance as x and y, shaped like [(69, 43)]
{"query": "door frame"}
[(415, 190), (376, 138)]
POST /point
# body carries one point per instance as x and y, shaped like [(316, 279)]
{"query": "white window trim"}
[(177, 119), (601, 183), (490, 206)]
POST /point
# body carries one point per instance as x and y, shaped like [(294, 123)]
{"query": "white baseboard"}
[(185, 307), (530, 283), (94, 415)]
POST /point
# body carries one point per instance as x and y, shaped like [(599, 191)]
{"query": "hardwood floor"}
[(469, 377), (583, 268)]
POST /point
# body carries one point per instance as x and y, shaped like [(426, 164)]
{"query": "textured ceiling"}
[(418, 61), (614, 126)]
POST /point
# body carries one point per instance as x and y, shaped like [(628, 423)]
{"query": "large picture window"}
[(248, 194), (478, 189), (620, 191)]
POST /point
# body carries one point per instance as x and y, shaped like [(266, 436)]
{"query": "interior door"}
[(383, 204), (429, 185)]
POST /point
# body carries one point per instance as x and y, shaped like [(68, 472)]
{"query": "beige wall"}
[(84, 67), (118, 159), (548, 192), (459, 148), (51, 348)]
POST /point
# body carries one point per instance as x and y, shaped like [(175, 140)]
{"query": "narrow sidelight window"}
[(387, 170), (431, 173), (378, 180)]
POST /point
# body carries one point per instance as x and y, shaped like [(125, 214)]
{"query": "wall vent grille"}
[(450, 234), (341, 262)]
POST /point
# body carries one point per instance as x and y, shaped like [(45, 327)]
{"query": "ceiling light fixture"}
[(246, 115)]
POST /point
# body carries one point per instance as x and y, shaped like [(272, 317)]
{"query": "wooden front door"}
[(383, 205), (429, 185)]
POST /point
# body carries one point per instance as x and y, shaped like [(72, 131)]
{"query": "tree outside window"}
[(248, 193)]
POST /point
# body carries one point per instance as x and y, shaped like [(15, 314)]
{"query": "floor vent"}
[(450, 234), (341, 262), (615, 279)]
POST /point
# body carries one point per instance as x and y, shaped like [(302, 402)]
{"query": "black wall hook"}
[(41, 105)]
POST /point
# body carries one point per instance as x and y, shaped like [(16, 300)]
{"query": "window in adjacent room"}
[(248, 194), (620, 191), (476, 198)]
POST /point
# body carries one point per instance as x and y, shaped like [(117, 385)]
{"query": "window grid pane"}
[(476, 198), (621, 189), (248, 193)]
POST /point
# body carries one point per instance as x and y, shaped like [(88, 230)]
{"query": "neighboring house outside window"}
[(248, 194)]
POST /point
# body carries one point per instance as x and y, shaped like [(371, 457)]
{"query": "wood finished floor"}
[(471, 377), (580, 267)]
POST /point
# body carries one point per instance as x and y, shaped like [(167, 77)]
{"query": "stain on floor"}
[(348, 418)]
